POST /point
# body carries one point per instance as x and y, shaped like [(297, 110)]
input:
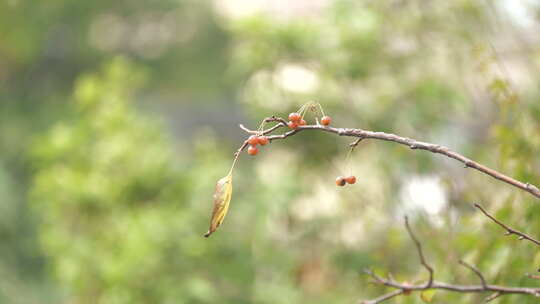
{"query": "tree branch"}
[(420, 253), (476, 271), (451, 287), (405, 288), (509, 230), (384, 297), (411, 143)]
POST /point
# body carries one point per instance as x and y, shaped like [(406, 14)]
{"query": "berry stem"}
[(321, 109), (348, 159), (234, 161)]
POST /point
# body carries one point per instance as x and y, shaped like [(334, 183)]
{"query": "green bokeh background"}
[(118, 117)]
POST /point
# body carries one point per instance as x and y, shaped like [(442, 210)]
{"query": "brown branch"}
[(384, 297), (405, 288), (453, 287), (402, 288), (264, 132), (411, 143), (476, 271), (493, 296), (420, 253), (509, 230)]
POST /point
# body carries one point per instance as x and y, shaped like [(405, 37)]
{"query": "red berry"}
[(326, 120), (253, 140), (350, 179), (302, 122), (295, 117), (252, 150), (292, 125), (263, 140), (340, 181)]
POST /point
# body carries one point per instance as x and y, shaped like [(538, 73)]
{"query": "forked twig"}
[(405, 288)]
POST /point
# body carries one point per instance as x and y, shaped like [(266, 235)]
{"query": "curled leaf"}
[(222, 198)]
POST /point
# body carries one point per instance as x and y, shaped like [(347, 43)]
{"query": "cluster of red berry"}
[(255, 140), (341, 181), (295, 120)]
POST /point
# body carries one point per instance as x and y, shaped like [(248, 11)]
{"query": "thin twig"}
[(509, 230), (264, 132), (476, 271), (356, 142), (420, 253), (383, 297), (493, 296), (411, 143)]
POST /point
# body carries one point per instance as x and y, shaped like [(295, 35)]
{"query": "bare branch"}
[(411, 143), (497, 289), (383, 297), (242, 147), (493, 296), (460, 288), (476, 271), (509, 230), (405, 288), (420, 253), (264, 132)]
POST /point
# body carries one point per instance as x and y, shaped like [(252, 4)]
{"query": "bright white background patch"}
[(423, 193), (296, 78)]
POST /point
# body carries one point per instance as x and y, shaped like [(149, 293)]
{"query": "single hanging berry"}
[(252, 150), (326, 120), (295, 117), (253, 140), (302, 122), (340, 181), (350, 179)]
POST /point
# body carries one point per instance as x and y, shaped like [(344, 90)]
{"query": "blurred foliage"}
[(117, 118)]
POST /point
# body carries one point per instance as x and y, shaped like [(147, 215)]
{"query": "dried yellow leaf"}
[(427, 295), (222, 198)]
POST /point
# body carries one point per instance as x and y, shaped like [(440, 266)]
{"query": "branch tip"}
[(509, 230)]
